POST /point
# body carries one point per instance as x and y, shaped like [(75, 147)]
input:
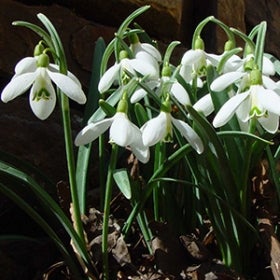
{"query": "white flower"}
[(122, 132), (194, 62), (160, 129), (144, 64), (29, 64), (227, 79), (176, 89), (255, 102), (138, 47), (42, 96)]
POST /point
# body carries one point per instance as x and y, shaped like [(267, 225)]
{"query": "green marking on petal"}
[(42, 94), (168, 138), (255, 111)]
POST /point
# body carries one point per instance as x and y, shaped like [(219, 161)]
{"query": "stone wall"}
[(81, 22)]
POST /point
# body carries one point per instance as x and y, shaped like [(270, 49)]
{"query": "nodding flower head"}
[(38, 73)]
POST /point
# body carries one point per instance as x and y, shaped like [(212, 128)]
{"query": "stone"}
[(232, 13), (163, 20), (257, 11), (78, 36)]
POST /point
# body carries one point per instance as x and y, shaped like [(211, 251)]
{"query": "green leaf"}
[(7, 191), (260, 42), (210, 134), (141, 114), (84, 152), (46, 201), (56, 42), (93, 94), (108, 109), (122, 180), (35, 28)]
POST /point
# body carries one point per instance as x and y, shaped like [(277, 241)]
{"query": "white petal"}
[(225, 80), (269, 99), (229, 108), (186, 72), (68, 87), (154, 130), (17, 86), (42, 108), (122, 130), (243, 111), (146, 65), (109, 77), (138, 95), (199, 82), (180, 93), (268, 67), (269, 83), (55, 68), (191, 136), (26, 65), (154, 52), (192, 56), (233, 63), (204, 105), (139, 150), (214, 59), (92, 131), (270, 123)]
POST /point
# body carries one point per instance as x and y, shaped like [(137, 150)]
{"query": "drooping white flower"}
[(257, 101), (160, 129), (29, 64), (42, 96), (240, 76), (194, 63), (137, 48), (144, 64), (165, 83), (122, 132)]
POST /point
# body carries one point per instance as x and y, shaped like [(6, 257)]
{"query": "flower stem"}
[(108, 195), (71, 165)]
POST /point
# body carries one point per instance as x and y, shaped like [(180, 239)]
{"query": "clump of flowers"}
[(195, 131)]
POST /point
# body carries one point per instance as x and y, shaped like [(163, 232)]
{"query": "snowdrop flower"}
[(144, 64), (160, 129), (138, 48), (264, 104), (29, 64), (194, 62), (122, 132), (42, 96), (174, 88), (241, 75)]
